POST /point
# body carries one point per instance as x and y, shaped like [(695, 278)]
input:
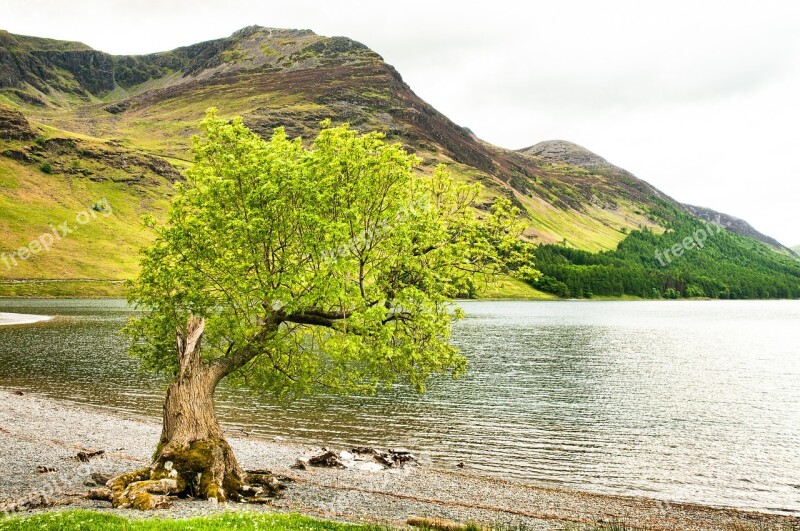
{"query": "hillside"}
[(691, 258), (733, 224), (575, 155), (95, 125), (796, 249)]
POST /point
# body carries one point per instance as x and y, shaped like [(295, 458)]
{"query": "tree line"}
[(723, 266)]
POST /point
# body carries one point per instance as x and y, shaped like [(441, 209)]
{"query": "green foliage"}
[(100, 206), (324, 268), (671, 293), (549, 284), (96, 521), (46, 168), (728, 266)]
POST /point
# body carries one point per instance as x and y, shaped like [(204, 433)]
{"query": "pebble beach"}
[(41, 437)]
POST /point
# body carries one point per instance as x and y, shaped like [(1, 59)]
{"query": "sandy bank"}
[(40, 432)]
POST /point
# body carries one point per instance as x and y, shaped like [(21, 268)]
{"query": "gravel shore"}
[(45, 433)]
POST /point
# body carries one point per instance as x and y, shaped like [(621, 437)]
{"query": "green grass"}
[(104, 247), (96, 521), (61, 290), (512, 289)]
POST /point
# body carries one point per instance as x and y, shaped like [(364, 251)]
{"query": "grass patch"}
[(106, 247), (512, 289), (96, 521), (76, 289)]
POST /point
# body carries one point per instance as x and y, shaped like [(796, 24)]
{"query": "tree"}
[(294, 270)]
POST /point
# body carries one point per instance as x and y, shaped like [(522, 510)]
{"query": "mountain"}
[(733, 224), (796, 249), (575, 155), (77, 125)]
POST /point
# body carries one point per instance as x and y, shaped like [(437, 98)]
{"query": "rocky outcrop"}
[(569, 153), (562, 151), (732, 224), (13, 125), (92, 70)]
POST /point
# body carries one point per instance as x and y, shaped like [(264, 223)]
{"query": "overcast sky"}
[(699, 98)]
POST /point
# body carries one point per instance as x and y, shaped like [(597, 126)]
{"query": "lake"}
[(682, 401)]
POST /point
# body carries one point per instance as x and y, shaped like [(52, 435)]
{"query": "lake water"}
[(681, 401)]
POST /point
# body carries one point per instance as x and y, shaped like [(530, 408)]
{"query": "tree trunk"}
[(192, 458), (192, 443)]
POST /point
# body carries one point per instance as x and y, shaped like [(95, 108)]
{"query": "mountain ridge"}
[(577, 155), (296, 79), (145, 108)]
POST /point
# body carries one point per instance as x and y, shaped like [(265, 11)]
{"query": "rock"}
[(361, 458), (35, 501), (19, 156), (14, 125), (439, 524), (460, 465), (268, 483), (102, 494), (101, 479), (18, 393), (384, 459), (328, 459), (117, 108), (45, 470), (363, 450), (84, 457), (402, 456)]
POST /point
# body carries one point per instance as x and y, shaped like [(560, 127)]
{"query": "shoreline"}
[(41, 432), (17, 319)]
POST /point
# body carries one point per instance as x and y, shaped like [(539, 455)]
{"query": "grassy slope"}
[(508, 288), (32, 202), (286, 83), (164, 128), (104, 248)]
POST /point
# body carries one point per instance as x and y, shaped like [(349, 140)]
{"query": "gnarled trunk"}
[(192, 447), (192, 458)]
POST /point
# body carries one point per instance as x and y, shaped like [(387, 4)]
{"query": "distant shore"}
[(41, 432)]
